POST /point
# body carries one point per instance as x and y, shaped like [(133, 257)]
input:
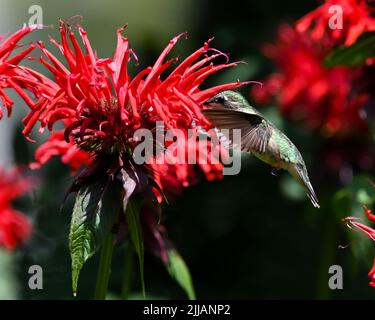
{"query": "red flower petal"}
[(371, 275), (7, 64)]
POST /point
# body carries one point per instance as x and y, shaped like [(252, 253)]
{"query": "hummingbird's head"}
[(226, 99)]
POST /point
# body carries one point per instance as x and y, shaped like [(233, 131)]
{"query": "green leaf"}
[(94, 214), (178, 270), (135, 231), (353, 55)]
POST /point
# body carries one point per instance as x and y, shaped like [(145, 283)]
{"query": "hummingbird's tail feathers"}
[(302, 173)]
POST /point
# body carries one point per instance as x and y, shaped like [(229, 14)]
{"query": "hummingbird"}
[(230, 110)]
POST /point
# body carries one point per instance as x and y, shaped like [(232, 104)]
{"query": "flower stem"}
[(128, 270), (104, 268)]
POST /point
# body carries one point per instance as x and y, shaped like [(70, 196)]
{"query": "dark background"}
[(248, 236)]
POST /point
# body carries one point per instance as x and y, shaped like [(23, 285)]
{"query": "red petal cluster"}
[(353, 222), (14, 227), (326, 98), (56, 145), (98, 100), (172, 178), (8, 63), (356, 17)]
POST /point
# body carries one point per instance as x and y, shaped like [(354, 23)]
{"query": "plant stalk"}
[(104, 268), (128, 271)]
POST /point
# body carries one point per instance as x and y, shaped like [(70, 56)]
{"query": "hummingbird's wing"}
[(255, 132)]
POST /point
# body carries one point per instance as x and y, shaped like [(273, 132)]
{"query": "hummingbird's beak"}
[(207, 102)]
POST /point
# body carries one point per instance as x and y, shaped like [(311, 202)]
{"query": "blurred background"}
[(250, 236)]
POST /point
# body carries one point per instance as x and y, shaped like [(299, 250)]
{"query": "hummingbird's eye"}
[(220, 99)]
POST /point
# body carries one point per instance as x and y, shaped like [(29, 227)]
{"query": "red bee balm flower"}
[(307, 90), (101, 106), (7, 64), (356, 19), (14, 227)]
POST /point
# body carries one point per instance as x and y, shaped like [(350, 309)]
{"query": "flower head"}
[(356, 18), (101, 106), (14, 226), (329, 99)]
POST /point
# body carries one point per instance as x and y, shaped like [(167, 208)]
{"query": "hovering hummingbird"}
[(230, 110)]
